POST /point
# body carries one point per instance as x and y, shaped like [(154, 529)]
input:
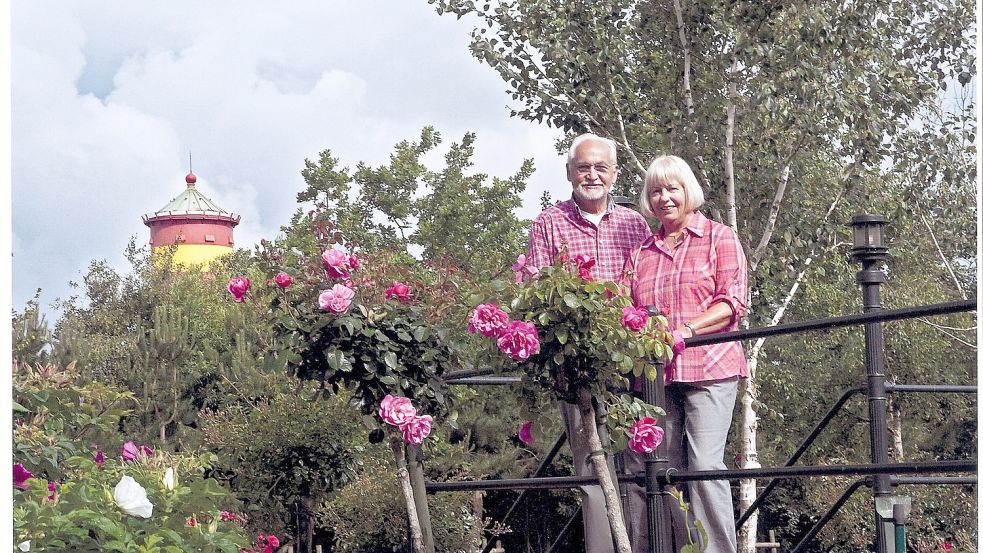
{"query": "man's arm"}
[(541, 250)]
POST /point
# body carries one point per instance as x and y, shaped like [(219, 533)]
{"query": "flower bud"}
[(170, 480)]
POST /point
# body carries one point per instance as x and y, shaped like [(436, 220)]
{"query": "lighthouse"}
[(201, 230)]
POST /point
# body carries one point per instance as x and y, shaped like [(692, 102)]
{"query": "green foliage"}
[(84, 516), (55, 418), (30, 334), (376, 347), (451, 216), (282, 448), (57, 421), (375, 491), (582, 342)]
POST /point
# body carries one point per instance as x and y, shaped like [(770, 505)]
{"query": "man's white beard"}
[(586, 195)]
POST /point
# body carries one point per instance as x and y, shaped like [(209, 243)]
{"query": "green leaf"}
[(571, 300), (390, 359)]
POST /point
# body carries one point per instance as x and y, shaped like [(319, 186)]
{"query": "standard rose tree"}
[(358, 323), (398, 413), (577, 338)]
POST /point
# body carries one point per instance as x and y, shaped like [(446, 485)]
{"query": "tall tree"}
[(791, 113)]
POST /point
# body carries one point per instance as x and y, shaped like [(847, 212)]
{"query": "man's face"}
[(592, 171)]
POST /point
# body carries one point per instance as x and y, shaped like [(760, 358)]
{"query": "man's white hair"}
[(588, 136)]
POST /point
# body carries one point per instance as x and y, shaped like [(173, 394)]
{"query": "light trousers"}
[(698, 417)]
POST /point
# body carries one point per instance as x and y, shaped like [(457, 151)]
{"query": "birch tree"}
[(790, 112)]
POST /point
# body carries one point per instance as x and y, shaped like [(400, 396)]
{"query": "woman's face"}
[(668, 202)]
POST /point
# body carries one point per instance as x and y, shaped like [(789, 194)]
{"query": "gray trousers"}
[(698, 416)]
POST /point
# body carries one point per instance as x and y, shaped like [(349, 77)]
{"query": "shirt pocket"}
[(699, 286)]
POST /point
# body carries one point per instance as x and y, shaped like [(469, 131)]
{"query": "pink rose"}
[(634, 318), (584, 264), (272, 541), (21, 476), (396, 410), (146, 451), (335, 263), (525, 433), (129, 451), (353, 262), (52, 487), (645, 436), (489, 320), (100, 458), (678, 343), (398, 291), (336, 300), (238, 286), (519, 340), (283, 279), (416, 429)]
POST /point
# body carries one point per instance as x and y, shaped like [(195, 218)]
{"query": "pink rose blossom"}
[(353, 262), (21, 476), (52, 487), (396, 410), (519, 340), (238, 286), (398, 291), (336, 300), (100, 458), (283, 279), (525, 433), (645, 436), (335, 263), (146, 451), (489, 320), (584, 264), (129, 451), (272, 541), (416, 429), (634, 318), (678, 343)]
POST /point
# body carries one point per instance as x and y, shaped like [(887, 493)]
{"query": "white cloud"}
[(109, 97)]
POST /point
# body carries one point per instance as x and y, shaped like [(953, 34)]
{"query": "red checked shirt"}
[(610, 242), (708, 266)]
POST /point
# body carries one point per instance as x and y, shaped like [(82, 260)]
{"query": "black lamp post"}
[(870, 251)]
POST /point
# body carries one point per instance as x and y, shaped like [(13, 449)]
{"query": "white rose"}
[(132, 498), (169, 480)]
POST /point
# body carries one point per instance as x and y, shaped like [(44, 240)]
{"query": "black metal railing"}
[(880, 475)]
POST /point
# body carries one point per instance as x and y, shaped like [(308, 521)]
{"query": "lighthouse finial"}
[(191, 178)]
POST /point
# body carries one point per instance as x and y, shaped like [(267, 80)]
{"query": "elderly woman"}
[(694, 270)]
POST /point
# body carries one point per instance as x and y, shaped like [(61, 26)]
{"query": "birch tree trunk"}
[(603, 472), (403, 475)]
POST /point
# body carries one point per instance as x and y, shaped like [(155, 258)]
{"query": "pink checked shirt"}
[(610, 243), (707, 266)]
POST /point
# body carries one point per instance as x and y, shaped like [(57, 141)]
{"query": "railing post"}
[(869, 249), (656, 464)]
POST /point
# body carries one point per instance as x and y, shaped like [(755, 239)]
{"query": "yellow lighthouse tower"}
[(201, 230)]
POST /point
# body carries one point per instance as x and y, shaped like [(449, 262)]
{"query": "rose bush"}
[(580, 340), (73, 499)]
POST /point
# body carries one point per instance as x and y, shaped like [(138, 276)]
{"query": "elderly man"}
[(589, 224)]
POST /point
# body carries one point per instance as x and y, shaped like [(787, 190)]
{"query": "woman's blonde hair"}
[(666, 169)]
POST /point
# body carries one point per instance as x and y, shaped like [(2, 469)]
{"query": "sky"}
[(109, 97)]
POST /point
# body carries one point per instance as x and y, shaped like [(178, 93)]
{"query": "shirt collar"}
[(696, 225), (576, 208)]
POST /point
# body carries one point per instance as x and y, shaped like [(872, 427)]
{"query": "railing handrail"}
[(880, 315)]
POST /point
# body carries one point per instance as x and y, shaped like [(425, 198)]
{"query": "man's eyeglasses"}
[(600, 169)]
